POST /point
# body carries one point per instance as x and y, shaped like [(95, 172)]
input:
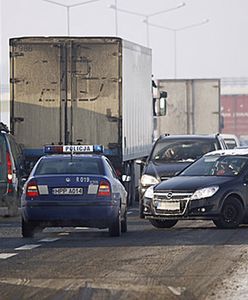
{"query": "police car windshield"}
[(83, 165), (215, 165), (182, 150)]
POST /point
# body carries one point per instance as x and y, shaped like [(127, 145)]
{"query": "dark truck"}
[(83, 90)]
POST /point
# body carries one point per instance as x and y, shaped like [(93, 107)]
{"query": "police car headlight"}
[(204, 193), (147, 180), (149, 193)]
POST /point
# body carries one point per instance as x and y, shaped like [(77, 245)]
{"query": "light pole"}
[(68, 9), (146, 16), (175, 30)]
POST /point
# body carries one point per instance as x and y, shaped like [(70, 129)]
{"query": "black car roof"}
[(188, 137), (235, 152)]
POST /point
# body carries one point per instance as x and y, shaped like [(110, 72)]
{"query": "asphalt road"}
[(192, 260)]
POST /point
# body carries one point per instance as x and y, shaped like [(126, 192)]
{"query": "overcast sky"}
[(216, 49)]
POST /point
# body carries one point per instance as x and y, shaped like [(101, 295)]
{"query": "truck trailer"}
[(83, 90), (193, 106)]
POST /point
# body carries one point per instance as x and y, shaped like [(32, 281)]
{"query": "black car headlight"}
[(205, 192), (148, 180), (149, 193)]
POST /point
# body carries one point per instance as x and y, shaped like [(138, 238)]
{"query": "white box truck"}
[(193, 106), (83, 90)]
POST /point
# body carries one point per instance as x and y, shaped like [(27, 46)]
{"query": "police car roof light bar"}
[(73, 149)]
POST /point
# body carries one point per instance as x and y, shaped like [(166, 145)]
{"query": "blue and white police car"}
[(73, 186)]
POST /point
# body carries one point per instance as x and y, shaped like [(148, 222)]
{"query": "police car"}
[(73, 186), (215, 187)]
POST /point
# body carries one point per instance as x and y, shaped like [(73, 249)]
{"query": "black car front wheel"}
[(163, 223), (231, 214)]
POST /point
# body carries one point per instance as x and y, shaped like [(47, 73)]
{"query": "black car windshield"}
[(69, 166), (182, 150), (216, 165)]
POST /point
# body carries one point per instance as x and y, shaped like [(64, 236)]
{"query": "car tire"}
[(231, 214), (163, 223), (115, 228), (124, 223), (27, 229)]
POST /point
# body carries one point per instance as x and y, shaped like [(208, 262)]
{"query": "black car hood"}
[(161, 169), (192, 183)]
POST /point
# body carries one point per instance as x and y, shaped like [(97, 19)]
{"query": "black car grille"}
[(171, 203)]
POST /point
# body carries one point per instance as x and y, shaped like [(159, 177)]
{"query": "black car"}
[(11, 171), (215, 187), (171, 154)]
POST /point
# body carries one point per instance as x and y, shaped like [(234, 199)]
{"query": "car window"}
[(231, 143), (217, 166), (3, 164), (182, 150), (69, 166), (111, 169)]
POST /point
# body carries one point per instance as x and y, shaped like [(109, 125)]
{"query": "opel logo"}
[(169, 195), (67, 179)]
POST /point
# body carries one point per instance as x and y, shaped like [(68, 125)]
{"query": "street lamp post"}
[(175, 30), (68, 9), (146, 16)]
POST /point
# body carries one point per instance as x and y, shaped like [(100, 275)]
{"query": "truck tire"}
[(115, 227), (27, 229), (141, 209), (124, 223), (163, 223)]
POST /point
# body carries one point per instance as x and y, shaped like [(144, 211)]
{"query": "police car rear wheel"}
[(231, 214), (163, 223), (115, 228), (27, 229)]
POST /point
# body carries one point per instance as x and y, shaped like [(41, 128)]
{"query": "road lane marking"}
[(78, 228), (64, 233), (48, 240), (6, 255), (70, 284), (28, 247), (177, 290)]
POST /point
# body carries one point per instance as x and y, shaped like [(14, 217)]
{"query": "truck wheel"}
[(163, 223), (124, 223), (27, 229), (141, 209), (115, 228), (231, 214)]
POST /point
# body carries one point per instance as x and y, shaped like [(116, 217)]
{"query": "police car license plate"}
[(169, 205), (68, 191)]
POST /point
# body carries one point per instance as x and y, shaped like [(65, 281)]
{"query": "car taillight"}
[(104, 188), (10, 173), (32, 189)]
